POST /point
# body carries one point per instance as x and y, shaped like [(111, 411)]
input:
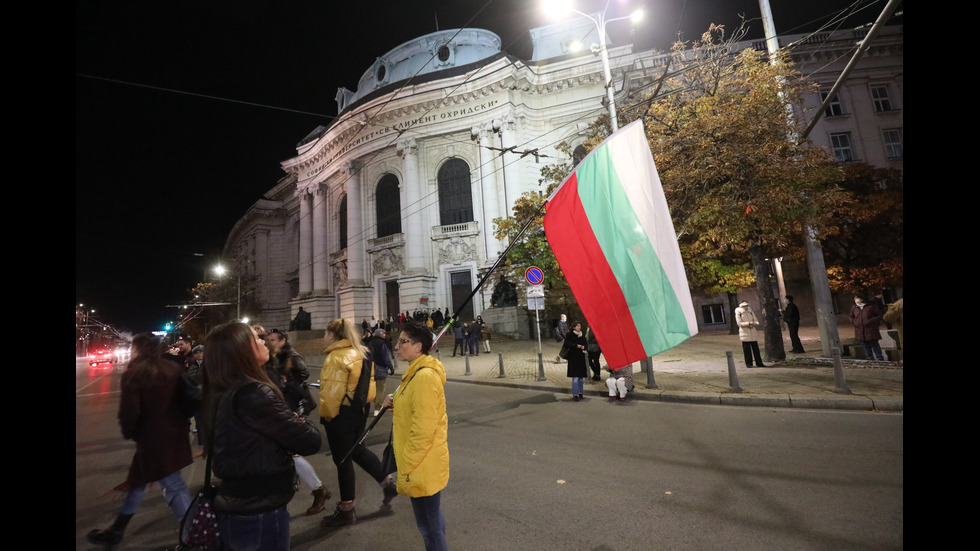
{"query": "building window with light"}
[(388, 206), (840, 143), (834, 108), (879, 95), (455, 193), (892, 138)]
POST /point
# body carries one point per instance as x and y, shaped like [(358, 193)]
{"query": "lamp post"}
[(561, 6), (220, 270)]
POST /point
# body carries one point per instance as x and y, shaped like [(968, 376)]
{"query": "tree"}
[(716, 275), (737, 185), (866, 253)]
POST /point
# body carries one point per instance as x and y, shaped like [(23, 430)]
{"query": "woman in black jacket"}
[(252, 437), (575, 346)]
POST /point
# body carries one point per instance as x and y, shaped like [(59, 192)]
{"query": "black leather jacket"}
[(254, 438)]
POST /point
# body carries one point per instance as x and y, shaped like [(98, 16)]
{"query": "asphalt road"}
[(533, 470)]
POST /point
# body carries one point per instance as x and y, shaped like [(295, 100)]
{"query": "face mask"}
[(858, 301)]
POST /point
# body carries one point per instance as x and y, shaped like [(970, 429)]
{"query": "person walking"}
[(592, 345), (252, 438), (747, 333), (561, 331), (866, 319), (290, 366), (383, 366), (344, 422), (149, 416), (420, 430), (576, 346), (791, 315)]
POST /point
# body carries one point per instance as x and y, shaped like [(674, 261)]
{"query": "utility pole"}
[(822, 303)]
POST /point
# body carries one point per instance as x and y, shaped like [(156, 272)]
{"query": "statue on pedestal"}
[(504, 294)]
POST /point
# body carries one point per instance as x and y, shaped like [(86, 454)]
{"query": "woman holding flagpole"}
[(576, 345)]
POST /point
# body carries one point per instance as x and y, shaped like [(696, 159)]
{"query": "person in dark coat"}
[(576, 345), (866, 317), (149, 416), (594, 352), (791, 315), (459, 336), (252, 437)]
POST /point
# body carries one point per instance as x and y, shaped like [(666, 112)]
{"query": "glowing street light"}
[(561, 7)]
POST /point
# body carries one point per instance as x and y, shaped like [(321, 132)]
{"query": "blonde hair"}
[(344, 329)]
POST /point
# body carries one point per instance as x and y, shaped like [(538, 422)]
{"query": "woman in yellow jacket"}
[(420, 429), (345, 423)]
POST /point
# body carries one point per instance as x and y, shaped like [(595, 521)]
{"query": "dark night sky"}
[(185, 108)]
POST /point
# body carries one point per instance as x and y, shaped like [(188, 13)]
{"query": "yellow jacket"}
[(339, 376), (420, 429)]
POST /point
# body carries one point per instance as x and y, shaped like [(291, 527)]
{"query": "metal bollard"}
[(541, 376), (732, 375), (500, 360), (840, 385), (467, 356), (647, 364)]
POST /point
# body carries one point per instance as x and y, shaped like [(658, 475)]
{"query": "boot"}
[(112, 535), (320, 495), (390, 488), (343, 516)]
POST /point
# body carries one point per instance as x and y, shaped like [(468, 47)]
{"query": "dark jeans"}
[(872, 350), (474, 345), (268, 531), (794, 336), (751, 348), (342, 432), (430, 521), (461, 345), (594, 364)]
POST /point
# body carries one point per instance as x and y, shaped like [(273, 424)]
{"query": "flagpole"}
[(483, 280)]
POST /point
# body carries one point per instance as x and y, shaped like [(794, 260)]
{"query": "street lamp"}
[(560, 7), (221, 270)]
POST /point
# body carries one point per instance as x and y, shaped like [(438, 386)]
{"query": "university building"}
[(390, 208)]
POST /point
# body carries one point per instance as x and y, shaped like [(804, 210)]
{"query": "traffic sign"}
[(534, 275)]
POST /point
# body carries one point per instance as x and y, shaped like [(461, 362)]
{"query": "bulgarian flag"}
[(610, 229)]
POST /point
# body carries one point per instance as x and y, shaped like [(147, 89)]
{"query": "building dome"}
[(427, 54)]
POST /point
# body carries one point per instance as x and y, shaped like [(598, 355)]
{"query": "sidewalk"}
[(696, 372)]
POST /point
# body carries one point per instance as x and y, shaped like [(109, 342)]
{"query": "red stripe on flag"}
[(590, 277)]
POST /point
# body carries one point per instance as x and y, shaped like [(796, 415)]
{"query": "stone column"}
[(321, 258), (305, 243), (412, 225), (355, 226), (489, 191)]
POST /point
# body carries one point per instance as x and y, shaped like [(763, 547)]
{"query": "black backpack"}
[(360, 400)]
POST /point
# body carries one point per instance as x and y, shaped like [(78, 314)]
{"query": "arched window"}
[(388, 206), (342, 230), (455, 193)]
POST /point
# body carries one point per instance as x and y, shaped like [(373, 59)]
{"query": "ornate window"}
[(455, 193), (388, 206)]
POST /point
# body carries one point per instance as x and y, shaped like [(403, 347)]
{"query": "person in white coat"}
[(747, 333)]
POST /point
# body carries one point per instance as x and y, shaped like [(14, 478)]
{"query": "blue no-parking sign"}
[(534, 275)]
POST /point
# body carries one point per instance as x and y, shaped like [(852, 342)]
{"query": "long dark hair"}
[(145, 358), (229, 360)]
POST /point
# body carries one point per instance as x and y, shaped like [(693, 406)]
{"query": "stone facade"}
[(391, 207)]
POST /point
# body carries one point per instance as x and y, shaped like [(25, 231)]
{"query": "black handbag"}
[(388, 464), (199, 527)]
